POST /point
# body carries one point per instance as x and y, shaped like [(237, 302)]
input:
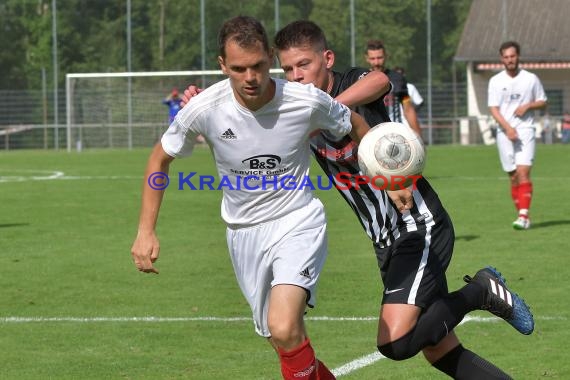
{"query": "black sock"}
[(443, 315), (463, 364)]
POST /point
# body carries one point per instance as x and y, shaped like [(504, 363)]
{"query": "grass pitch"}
[(72, 305)]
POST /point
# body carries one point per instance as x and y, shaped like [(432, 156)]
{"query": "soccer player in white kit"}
[(258, 128), (512, 96)]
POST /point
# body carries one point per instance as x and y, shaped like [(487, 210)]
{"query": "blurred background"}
[(79, 74)]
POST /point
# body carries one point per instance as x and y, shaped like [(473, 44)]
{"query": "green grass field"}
[(72, 305)]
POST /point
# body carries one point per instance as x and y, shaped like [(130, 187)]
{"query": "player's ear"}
[(222, 64), (329, 58)]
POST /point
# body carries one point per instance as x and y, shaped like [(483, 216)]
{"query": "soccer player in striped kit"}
[(413, 246), (276, 237), (513, 95)]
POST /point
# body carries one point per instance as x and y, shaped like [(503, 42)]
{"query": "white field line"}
[(343, 370), (5, 320), (61, 176), (372, 358)]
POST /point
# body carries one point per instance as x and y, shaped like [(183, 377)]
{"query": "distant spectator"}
[(547, 131), (566, 128), (173, 102)]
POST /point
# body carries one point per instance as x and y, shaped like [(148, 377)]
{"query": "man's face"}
[(248, 71), (305, 65), (510, 59), (376, 59)]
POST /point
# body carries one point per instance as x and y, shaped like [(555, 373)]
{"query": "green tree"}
[(166, 34)]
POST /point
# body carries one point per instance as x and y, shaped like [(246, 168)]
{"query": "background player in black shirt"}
[(376, 57)]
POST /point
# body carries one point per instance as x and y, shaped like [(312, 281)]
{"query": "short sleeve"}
[(178, 141)]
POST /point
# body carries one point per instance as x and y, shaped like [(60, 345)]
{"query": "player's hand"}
[(402, 199), (189, 93), (512, 134), (145, 251), (521, 110)]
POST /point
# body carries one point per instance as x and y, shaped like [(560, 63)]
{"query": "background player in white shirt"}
[(276, 237), (513, 95)]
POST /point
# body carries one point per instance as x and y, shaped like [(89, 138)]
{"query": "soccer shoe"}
[(521, 223), (500, 301)]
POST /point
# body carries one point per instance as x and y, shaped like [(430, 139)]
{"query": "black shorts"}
[(413, 267)]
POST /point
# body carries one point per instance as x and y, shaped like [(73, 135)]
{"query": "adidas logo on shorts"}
[(305, 273), (228, 135)]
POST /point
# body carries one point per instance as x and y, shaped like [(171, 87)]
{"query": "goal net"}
[(125, 110)]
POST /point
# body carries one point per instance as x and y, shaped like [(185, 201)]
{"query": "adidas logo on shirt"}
[(228, 135)]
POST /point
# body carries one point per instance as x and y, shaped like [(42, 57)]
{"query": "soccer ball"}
[(392, 155)]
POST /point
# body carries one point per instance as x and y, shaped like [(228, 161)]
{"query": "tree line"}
[(167, 34)]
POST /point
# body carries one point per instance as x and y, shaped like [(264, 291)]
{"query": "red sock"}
[(525, 196), (515, 195), (301, 364), (323, 372)]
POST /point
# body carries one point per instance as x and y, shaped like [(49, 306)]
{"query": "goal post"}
[(125, 110)]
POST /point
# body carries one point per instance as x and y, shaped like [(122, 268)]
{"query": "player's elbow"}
[(381, 82)]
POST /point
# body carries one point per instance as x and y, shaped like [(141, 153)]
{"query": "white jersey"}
[(259, 153), (509, 93), (415, 95), (416, 99)]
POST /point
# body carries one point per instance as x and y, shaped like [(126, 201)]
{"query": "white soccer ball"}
[(392, 155)]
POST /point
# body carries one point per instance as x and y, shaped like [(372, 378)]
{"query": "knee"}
[(286, 335), (399, 349)]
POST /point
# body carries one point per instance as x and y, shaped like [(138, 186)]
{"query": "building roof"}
[(541, 27)]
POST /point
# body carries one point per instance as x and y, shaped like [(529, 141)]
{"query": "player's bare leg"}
[(288, 335)]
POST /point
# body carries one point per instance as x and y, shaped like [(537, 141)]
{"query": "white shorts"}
[(516, 153), (290, 250)]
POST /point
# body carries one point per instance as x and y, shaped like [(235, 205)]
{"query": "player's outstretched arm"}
[(146, 248), (368, 89)]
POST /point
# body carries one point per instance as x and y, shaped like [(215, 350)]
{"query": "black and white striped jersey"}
[(374, 209)]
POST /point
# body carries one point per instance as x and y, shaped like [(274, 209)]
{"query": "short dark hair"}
[(400, 69), (375, 45), (301, 33), (246, 31), (510, 44)]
